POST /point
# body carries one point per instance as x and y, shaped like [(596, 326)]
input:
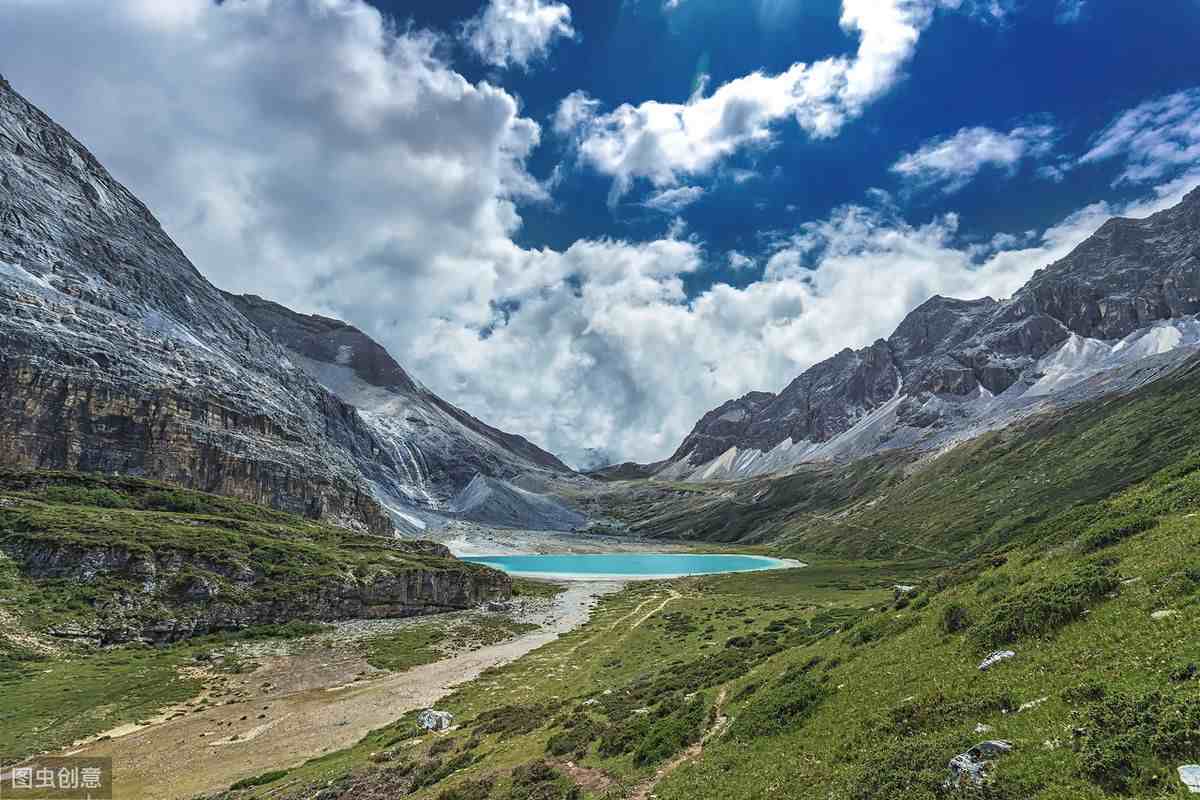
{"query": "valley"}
[(244, 552)]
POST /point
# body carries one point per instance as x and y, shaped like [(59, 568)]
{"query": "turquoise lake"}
[(627, 565)]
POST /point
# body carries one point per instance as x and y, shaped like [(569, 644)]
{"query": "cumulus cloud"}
[(739, 261), (672, 201), (1157, 138), (517, 32), (309, 152), (663, 141), (952, 161)]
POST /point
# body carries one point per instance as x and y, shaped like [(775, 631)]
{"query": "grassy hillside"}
[(73, 545), (819, 683)]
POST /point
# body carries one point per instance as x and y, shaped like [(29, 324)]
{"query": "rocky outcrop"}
[(946, 362), (170, 595)]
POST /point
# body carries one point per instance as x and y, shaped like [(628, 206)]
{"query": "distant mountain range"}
[(116, 355), (1117, 311)]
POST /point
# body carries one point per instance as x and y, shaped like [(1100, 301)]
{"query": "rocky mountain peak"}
[(964, 364)]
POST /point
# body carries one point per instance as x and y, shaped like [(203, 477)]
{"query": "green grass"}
[(428, 640), (837, 691), (249, 553)]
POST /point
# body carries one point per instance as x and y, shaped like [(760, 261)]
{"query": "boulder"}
[(995, 658), (970, 768), (431, 720), (1190, 775)]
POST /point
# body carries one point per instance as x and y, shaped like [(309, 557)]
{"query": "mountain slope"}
[(117, 356), (441, 449), (954, 368)]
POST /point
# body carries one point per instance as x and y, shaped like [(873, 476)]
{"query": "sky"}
[(590, 223)]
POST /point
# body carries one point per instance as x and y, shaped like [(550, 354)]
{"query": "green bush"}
[(81, 496), (778, 709), (681, 724), (512, 720), (937, 711), (955, 618), (469, 790), (576, 739), (1122, 736), (1046, 607), (259, 780), (175, 501), (1112, 530)]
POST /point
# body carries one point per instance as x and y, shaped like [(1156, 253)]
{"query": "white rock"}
[(1190, 775), (432, 720), (1164, 613), (995, 658)]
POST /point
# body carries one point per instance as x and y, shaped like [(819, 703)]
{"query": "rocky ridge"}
[(1123, 302)]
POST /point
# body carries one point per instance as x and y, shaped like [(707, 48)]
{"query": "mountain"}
[(1116, 311), (117, 356), (441, 449)]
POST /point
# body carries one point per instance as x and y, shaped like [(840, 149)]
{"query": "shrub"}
[(259, 780), (537, 780), (469, 790), (955, 618), (512, 720), (1046, 607), (1122, 734), (1112, 530), (80, 496), (575, 739), (680, 726), (782, 707), (937, 711), (175, 501)]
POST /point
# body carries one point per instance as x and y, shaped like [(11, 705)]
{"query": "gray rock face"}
[(949, 358), (440, 448), (499, 503), (116, 355)]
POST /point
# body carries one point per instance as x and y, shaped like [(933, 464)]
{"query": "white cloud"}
[(672, 201), (1156, 139), (386, 197), (739, 261), (1069, 11), (664, 141), (517, 32), (952, 161)]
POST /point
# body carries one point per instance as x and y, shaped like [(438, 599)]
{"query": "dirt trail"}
[(644, 789), (307, 704)]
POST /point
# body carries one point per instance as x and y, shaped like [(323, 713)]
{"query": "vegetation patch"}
[(1044, 608)]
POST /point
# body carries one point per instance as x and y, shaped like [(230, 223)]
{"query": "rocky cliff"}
[(1123, 301), (440, 448), (113, 559), (116, 355)]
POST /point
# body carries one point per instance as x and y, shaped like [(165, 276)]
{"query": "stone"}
[(1164, 613), (432, 720), (970, 768), (995, 658), (1190, 775)]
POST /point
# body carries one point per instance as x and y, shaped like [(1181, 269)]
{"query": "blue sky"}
[(591, 222), (999, 67)]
